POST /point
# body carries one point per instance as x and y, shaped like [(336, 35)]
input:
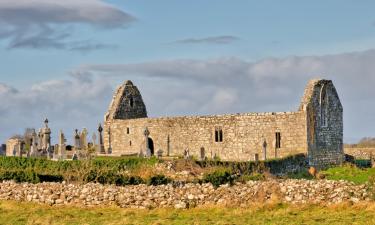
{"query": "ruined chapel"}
[(315, 129)]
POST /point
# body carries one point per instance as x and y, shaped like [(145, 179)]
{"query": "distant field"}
[(28, 213)]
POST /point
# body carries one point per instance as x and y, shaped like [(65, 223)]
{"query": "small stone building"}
[(316, 129)]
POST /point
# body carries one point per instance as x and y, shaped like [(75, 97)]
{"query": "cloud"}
[(218, 40), (49, 24), (68, 104), (230, 85), (195, 87)]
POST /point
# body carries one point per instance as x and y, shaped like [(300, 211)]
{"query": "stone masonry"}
[(315, 129)]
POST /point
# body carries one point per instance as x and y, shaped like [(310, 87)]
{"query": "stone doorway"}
[(151, 145)]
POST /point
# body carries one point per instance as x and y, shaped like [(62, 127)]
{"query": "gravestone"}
[(62, 146)]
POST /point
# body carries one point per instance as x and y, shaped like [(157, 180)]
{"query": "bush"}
[(20, 176), (105, 170), (303, 174), (219, 177), (158, 180)]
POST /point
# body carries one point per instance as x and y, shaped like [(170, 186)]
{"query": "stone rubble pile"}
[(186, 196)]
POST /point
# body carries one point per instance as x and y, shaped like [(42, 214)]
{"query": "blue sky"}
[(49, 48)]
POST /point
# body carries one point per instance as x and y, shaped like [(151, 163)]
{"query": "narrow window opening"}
[(131, 102), (278, 140), (130, 143), (218, 134), (323, 106), (127, 130)]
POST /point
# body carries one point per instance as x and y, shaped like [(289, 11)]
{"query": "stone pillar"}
[(34, 147), (101, 143), (84, 139), (40, 140), (77, 141), (46, 131), (148, 151), (62, 146), (94, 145), (45, 138)]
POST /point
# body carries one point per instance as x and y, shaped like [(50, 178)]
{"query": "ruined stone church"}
[(316, 129)]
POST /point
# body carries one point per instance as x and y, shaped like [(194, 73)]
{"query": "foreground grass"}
[(28, 213)]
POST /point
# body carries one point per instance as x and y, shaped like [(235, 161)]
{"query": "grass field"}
[(28, 213), (350, 173)]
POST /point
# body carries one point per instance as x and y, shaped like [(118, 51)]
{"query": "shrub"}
[(158, 180), (219, 177), (303, 174), (105, 170), (20, 176)]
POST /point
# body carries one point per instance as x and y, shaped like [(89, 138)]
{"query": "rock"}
[(180, 205)]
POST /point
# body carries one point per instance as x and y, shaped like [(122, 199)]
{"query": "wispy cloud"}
[(218, 40), (40, 24)]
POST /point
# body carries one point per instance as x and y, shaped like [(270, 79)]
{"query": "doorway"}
[(151, 145)]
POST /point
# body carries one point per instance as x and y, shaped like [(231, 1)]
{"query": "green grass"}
[(28, 213), (349, 173)]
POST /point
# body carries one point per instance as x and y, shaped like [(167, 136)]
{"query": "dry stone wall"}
[(189, 195)]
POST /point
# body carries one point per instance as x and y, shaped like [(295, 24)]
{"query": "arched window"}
[(323, 106), (131, 102)]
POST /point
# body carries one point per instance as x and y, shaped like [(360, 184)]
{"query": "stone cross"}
[(101, 144)]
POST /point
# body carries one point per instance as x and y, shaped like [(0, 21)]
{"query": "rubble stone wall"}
[(243, 135), (316, 129), (360, 153), (186, 196), (324, 123)]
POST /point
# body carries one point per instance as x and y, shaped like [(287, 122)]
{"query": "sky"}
[(64, 59)]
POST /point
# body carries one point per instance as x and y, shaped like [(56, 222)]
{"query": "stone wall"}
[(324, 122), (360, 153), (243, 135), (14, 144), (316, 129), (127, 103), (187, 196)]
